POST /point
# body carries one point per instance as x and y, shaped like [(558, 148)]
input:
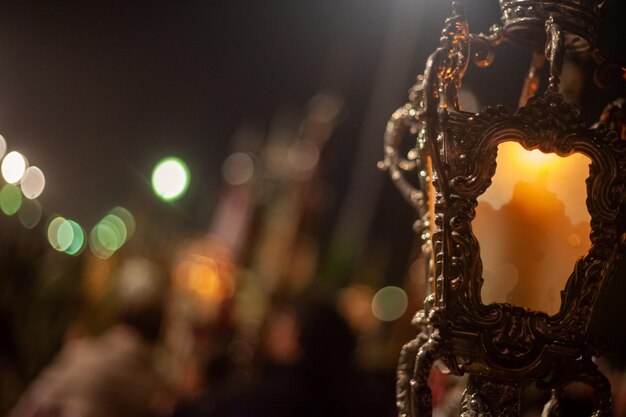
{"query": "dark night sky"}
[(95, 94)]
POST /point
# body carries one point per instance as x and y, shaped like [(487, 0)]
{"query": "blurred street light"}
[(33, 182), (10, 199), (389, 303), (170, 179), (3, 146), (13, 167), (112, 232)]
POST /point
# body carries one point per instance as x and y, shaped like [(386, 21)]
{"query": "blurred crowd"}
[(305, 365), (152, 354), (266, 313), (143, 348)]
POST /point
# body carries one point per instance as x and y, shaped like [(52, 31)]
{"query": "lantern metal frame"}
[(502, 347)]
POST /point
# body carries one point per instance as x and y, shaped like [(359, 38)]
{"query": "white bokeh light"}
[(238, 168), (33, 182), (170, 178), (3, 146), (13, 167)]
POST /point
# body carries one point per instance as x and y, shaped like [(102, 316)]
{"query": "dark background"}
[(95, 93)]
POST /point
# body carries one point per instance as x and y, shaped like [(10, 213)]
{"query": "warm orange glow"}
[(200, 275), (535, 159), (98, 275), (563, 176), (431, 215), (203, 277), (532, 225)]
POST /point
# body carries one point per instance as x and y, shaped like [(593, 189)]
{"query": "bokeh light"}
[(29, 213), (325, 107), (355, 304), (13, 167), (303, 156), (112, 232), (204, 276), (238, 168), (128, 219), (389, 303), (99, 248), (3, 146), (78, 239), (65, 235), (105, 237), (53, 231), (170, 179), (10, 199), (33, 182)]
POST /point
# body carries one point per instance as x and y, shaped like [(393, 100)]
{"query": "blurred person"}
[(226, 377), (29, 289), (9, 359), (318, 376), (219, 397), (111, 375)]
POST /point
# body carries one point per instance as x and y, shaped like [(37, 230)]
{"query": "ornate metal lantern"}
[(503, 347)]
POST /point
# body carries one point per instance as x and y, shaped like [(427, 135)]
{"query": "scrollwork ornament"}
[(502, 347), (533, 342), (409, 119), (552, 125), (613, 117), (413, 395), (406, 364), (455, 41), (471, 405), (552, 407), (581, 370), (483, 46), (555, 52), (489, 398)]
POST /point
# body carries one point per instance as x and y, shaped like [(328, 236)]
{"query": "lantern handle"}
[(401, 123)]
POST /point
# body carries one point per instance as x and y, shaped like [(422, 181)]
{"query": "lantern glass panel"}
[(532, 224)]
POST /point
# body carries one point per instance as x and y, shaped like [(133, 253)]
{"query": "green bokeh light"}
[(78, 240), (65, 235), (111, 233), (128, 219), (170, 179), (10, 199), (95, 244), (114, 224), (106, 237), (389, 303)]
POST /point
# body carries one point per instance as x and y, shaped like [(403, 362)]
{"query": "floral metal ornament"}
[(503, 347)]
